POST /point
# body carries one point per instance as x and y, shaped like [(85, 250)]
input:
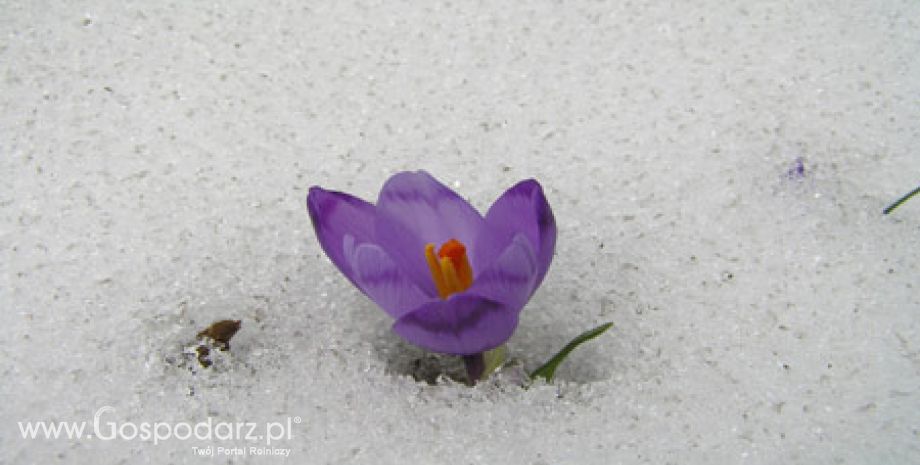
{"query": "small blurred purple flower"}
[(797, 170), (453, 280)]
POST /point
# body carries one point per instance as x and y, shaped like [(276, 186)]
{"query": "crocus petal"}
[(383, 282), (462, 325), (341, 222), (522, 209), (511, 278), (415, 209)]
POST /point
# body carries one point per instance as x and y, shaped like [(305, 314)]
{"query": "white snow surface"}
[(155, 159)]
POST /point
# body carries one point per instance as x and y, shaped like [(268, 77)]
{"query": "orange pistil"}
[(450, 269)]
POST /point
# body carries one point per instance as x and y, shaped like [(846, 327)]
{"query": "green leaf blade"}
[(548, 370), (494, 359), (903, 199)]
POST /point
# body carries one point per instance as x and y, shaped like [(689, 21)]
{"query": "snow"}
[(156, 158)]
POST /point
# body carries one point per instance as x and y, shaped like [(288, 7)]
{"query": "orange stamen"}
[(435, 267), (450, 269)]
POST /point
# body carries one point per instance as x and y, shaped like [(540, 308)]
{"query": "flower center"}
[(450, 268)]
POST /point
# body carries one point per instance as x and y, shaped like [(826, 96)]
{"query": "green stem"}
[(898, 203), (480, 366)]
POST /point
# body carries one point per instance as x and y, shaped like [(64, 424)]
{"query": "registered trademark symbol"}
[(297, 420)]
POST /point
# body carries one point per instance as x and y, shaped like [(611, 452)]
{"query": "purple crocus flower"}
[(453, 280)]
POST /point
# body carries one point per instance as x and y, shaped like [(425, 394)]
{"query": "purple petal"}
[(462, 325), (341, 222), (415, 209), (511, 278), (383, 282), (523, 210)]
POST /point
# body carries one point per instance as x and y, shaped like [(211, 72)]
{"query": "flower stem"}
[(898, 202), (475, 366)]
